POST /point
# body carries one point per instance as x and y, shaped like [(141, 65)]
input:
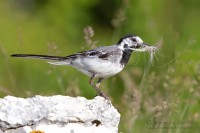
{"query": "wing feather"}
[(90, 53)]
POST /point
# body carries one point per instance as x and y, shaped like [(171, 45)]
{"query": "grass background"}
[(164, 97)]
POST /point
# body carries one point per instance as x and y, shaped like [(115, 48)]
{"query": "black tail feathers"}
[(44, 57)]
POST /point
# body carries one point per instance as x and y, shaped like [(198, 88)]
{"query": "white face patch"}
[(128, 41), (139, 40), (132, 41)]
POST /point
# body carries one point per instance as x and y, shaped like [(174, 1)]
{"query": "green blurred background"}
[(163, 97)]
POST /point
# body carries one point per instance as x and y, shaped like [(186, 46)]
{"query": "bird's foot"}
[(100, 93), (103, 95), (106, 98)]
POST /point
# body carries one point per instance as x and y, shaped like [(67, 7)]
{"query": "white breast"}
[(101, 68)]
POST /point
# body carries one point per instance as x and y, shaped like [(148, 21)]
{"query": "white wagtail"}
[(101, 62)]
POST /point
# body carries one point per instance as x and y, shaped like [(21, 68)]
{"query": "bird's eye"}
[(126, 46), (133, 39)]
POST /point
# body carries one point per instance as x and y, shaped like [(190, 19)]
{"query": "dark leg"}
[(91, 80), (98, 83), (100, 93)]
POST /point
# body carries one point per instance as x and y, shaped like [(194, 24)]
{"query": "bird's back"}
[(104, 61)]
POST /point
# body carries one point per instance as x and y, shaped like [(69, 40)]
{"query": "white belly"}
[(101, 68)]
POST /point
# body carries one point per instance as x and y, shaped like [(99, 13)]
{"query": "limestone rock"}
[(62, 114)]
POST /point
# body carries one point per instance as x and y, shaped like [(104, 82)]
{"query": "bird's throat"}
[(125, 56)]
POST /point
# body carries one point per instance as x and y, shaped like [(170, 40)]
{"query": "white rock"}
[(61, 114)]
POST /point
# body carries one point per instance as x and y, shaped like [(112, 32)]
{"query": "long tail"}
[(56, 60)]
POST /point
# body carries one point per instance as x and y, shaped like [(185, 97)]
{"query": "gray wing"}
[(104, 53)]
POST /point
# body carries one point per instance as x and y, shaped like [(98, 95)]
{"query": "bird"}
[(101, 62)]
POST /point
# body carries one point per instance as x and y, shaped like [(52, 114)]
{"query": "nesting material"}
[(150, 49)]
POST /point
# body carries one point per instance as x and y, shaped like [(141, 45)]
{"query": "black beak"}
[(142, 45)]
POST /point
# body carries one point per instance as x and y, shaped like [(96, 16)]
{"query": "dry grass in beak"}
[(151, 49)]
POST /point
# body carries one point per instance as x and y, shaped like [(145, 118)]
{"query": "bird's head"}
[(135, 43), (132, 42)]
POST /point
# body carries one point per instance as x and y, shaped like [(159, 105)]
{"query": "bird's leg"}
[(100, 93), (91, 83), (98, 83), (91, 80)]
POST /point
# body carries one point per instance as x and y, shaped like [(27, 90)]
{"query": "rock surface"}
[(60, 114)]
